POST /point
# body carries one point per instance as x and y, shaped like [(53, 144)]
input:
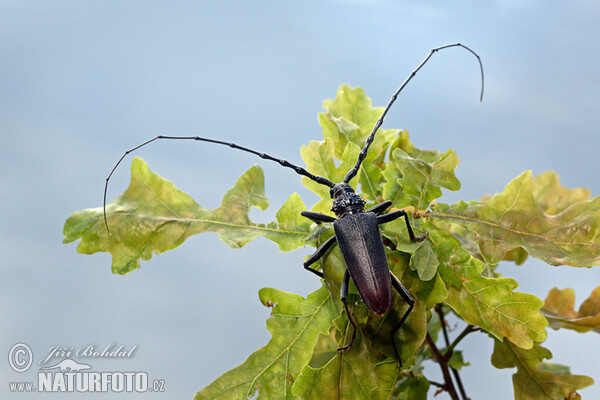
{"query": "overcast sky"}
[(80, 82)]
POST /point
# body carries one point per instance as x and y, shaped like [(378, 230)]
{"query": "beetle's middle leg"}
[(382, 219), (406, 296)]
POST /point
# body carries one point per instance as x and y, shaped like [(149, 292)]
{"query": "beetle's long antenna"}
[(299, 170), (363, 153)]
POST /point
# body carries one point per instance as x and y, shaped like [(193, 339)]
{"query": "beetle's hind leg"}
[(344, 296), (406, 296), (382, 219)]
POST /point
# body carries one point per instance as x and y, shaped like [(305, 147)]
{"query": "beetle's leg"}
[(382, 219), (406, 296), (381, 207), (318, 254), (344, 295), (317, 217)]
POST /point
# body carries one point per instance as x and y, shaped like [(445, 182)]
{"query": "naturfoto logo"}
[(60, 372)]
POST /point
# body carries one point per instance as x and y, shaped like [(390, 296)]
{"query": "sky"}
[(81, 82)]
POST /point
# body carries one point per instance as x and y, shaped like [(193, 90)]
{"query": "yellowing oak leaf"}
[(513, 219), (532, 381), (153, 216), (559, 309), (488, 302)]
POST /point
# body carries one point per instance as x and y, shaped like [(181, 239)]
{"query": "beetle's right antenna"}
[(284, 163), (363, 153)]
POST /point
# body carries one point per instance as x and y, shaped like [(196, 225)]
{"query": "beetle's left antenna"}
[(363, 153), (284, 163)]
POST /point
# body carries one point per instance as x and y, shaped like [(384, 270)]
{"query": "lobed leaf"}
[(420, 173), (552, 197), (318, 157), (271, 371), (560, 312), (153, 216), (488, 302), (350, 118), (531, 382), (393, 385), (362, 372), (347, 375), (512, 219), (423, 260)]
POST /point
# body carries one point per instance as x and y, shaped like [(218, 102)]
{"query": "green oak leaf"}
[(488, 302), (347, 375), (457, 361), (272, 370), (531, 382), (420, 173), (318, 157), (512, 219), (358, 373), (424, 260), (153, 216), (430, 292), (394, 384), (560, 312), (350, 118)]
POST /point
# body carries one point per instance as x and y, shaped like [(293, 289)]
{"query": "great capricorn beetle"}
[(356, 229)]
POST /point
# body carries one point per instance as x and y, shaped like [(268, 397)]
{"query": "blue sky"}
[(80, 82)]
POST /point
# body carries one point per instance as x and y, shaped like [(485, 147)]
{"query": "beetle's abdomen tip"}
[(380, 306)]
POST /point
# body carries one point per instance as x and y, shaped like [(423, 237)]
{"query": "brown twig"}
[(448, 384), (465, 332), (450, 347)]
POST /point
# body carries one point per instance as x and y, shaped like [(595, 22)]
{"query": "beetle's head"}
[(345, 201)]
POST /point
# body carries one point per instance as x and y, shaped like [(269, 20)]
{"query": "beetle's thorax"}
[(345, 201)]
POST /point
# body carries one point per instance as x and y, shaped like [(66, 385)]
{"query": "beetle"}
[(356, 228)]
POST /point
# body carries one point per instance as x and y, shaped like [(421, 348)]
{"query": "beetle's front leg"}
[(382, 219), (318, 254), (317, 217)]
